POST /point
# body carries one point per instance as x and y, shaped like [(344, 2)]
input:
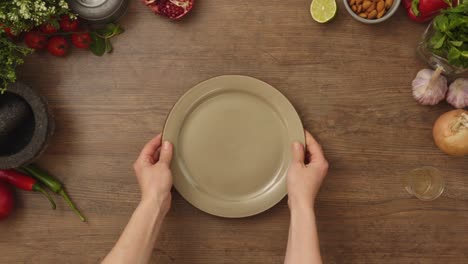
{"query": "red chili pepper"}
[(24, 182)]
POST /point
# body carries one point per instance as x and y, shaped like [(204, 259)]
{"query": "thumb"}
[(298, 152), (166, 153)]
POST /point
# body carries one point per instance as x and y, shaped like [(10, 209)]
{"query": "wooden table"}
[(349, 81)]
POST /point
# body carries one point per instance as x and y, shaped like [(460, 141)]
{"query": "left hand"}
[(153, 172)]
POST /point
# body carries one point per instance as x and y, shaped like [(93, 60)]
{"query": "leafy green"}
[(439, 43), (98, 45), (23, 15), (450, 38), (11, 55), (456, 43), (101, 43)]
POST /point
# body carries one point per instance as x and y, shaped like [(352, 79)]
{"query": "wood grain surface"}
[(350, 83)]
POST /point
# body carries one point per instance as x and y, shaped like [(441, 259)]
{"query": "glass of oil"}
[(425, 183)]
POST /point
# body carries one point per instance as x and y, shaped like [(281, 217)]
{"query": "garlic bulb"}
[(458, 93), (429, 87)]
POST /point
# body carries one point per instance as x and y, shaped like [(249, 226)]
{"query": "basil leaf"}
[(450, 38), (456, 20), (106, 30), (456, 43), (453, 54), (98, 45), (441, 23), (118, 30), (108, 46), (439, 43), (436, 38)]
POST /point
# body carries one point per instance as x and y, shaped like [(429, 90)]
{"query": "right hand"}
[(303, 179)]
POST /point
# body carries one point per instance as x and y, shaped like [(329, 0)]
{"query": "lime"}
[(323, 11)]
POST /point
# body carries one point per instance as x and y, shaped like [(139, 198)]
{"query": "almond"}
[(354, 8), (380, 5), (388, 3), (372, 14), (381, 14), (359, 9), (358, 2), (366, 4), (371, 7), (352, 2), (363, 15)]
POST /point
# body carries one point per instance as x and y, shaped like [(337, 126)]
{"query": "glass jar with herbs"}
[(445, 41)]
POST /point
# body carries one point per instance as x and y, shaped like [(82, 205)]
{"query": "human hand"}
[(303, 179), (152, 169)]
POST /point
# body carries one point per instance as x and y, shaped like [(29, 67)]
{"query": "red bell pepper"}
[(425, 10)]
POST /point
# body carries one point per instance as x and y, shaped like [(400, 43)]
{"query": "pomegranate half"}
[(173, 9)]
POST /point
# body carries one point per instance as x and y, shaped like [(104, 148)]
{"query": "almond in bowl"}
[(371, 11)]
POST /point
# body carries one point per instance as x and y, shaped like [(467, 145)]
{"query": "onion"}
[(451, 132)]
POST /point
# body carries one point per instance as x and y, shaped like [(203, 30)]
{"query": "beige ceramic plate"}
[(232, 136)]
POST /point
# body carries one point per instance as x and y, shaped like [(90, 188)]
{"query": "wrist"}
[(298, 205), (161, 204), (302, 212), (152, 208)]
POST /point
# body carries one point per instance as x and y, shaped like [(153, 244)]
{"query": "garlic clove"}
[(429, 87), (458, 93)]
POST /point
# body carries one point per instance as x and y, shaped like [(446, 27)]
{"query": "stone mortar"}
[(26, 127)]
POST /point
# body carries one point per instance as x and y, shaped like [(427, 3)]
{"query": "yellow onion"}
[(451, 132)]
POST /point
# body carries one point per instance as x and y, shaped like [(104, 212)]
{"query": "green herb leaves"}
[(101, 39), (450, 38), (23, 15), (11, 55)]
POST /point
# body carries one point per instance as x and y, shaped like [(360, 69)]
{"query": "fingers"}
[(314, 148), (166, 153), (156, 155), (298, 152), (148, 152)]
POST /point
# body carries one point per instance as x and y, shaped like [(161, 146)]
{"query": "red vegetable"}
[(425, 10), (57, 46), (81, 40), (24, 182), (7, 31), (35, 40), (7, 201), (48, 29), (173, 9), (69, 25)]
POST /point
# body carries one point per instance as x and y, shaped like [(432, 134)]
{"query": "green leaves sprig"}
[(11, 55), (23, 15), (450, 39), (101, 39)]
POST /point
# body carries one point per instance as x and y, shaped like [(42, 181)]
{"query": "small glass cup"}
[(425, 183), (433, 60)]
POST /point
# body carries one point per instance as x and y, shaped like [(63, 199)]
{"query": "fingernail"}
[(166, 145)]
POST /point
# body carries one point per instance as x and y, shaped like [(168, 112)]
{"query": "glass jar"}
[(433, 60), (425, 183)]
